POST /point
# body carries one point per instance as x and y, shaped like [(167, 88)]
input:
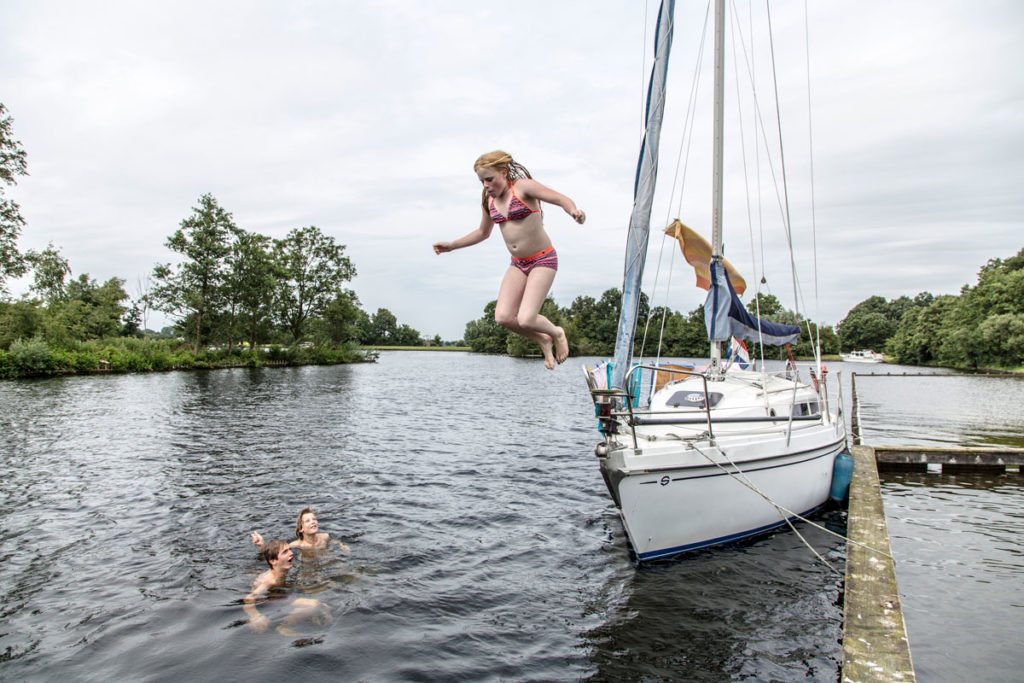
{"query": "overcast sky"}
[(364, 119)]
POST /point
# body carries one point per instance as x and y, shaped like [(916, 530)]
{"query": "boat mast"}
[(643, 198), (716, 191)]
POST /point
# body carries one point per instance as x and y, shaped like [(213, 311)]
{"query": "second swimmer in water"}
[(307, 534)]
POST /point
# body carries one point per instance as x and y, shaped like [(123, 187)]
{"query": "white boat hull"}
[(686, 476), (668, 510)]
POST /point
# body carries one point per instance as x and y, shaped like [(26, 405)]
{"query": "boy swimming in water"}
[(278, 555)]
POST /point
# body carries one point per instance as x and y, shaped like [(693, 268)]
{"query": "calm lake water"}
[(957, 537), (483, 543)]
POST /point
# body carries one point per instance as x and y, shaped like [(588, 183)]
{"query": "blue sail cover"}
[(726, 317), (643, 197)]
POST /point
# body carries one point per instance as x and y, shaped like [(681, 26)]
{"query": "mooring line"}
[(784, 511)]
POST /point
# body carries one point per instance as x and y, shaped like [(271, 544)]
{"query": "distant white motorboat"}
[(698, 457), (865, 356)]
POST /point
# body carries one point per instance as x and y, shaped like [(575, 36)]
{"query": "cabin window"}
[(692, 399), (809, 408)]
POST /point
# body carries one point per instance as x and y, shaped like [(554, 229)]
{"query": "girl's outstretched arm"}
[(482, 232), (531, 188)]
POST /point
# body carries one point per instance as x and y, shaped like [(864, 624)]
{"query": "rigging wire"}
[(810, 155), (741, 477)]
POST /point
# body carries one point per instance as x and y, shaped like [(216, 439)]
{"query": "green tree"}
[(1004, 337), (596, 322), (88, 311), (999, 292), (252, 278), (684, 336), (383, 327), (50, 271), (869, 324), (765, 305), (860, 330), (484, 335), (922, 329), (22, 319), (194, 289), (12, 164), (313, 268), (407, 336), (340, 322)]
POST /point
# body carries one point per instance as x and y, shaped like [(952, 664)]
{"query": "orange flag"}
[(697, 252)]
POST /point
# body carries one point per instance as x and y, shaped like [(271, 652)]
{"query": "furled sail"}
[(643, 197), (726, 317)]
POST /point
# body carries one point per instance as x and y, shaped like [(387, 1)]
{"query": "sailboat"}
[(714, 454)]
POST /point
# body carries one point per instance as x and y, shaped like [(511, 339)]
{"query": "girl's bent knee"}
[(528, 322)]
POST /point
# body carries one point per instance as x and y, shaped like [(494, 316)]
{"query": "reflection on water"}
[(956, 537), (777, 622), (483, 542), (958, 540), (942, 409)]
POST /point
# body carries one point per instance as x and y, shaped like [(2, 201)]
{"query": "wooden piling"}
[(875, 645)]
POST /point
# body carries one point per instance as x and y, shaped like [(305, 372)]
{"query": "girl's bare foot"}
[(561, 345), (546, 348)]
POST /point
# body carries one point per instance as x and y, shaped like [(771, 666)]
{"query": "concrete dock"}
[(875, 645)]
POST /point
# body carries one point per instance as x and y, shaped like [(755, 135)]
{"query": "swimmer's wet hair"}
[(273, 549), (298, 523)]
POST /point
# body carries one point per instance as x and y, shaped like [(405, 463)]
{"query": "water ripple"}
[(483, 542)]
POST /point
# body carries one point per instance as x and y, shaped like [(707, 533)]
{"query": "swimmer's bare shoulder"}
[(323, 540)]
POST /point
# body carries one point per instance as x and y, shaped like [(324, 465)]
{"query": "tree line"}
[(236, 293), (591, 325), (981, 327)]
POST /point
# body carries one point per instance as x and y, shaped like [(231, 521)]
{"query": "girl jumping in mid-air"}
[(512, 199)]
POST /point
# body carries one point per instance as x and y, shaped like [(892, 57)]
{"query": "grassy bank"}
[(35, 358)]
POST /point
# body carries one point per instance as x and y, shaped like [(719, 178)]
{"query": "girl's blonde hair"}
[(505, 164)]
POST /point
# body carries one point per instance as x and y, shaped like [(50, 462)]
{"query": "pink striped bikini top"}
[(517, 209)]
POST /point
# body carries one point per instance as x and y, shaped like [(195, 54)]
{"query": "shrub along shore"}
[(34, 358)]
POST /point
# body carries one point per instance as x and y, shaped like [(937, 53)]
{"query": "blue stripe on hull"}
[(668, 552)]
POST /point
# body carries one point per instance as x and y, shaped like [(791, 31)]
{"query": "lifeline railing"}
[(672, 371), (635, 419)]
